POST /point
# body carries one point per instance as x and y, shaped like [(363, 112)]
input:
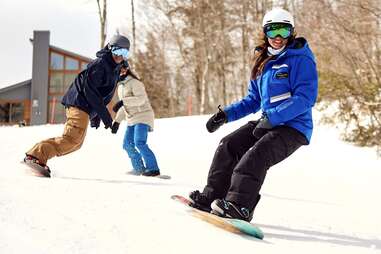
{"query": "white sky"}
[(73, 25)]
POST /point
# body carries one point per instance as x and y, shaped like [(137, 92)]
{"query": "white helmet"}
[(278, 15)]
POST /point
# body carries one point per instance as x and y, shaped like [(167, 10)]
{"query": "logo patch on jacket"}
[(281, 75)]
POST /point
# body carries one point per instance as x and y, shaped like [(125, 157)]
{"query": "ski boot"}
[(148, 172), (228, 209), (200, 201)]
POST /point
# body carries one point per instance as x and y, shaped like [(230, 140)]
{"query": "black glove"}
[(95, 122), (107, 122), (114, 127), (117, 106), (262, 127), (217, 120), (124, 66)]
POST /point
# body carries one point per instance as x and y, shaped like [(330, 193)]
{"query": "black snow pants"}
[(241, 162)]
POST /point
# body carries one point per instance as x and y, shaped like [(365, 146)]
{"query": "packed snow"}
[(325, 198)]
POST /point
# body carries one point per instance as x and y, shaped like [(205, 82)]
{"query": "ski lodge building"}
[(38, 100)]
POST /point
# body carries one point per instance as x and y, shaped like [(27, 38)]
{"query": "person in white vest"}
[(134, 107)]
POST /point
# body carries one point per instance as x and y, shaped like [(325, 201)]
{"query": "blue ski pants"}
[(135, 143)]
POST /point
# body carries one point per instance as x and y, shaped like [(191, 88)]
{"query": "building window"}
[(69, 78), (64, 68), (56, 111), (17, 112), (84, 65), (56, 82), (71, 64), (11, 112), (56, 61)]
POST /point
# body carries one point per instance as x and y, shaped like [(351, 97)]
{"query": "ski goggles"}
[(123, 52), (273, 30)]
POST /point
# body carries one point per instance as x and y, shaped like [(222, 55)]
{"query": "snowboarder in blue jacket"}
[(85, 101), (283, 85)]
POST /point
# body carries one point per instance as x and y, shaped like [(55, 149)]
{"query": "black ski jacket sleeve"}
[(95, 79), (94, 87)]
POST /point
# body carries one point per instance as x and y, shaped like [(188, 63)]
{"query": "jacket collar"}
[(128, 78), (106, 55), (110, 60)]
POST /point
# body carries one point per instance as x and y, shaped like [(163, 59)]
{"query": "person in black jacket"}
[(85, 100)]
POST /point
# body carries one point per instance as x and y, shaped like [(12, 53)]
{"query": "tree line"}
[(197, 54)]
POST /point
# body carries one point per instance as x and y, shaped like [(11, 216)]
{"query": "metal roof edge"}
[(66, 52), (11, 87)]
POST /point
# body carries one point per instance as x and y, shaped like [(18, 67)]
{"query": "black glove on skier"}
[(117, 106), (114, 127), (262, 127), (107, 121), (217, 120), (124, 73), (95, 122)]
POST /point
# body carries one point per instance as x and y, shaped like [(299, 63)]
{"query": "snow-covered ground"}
[(324, 199)]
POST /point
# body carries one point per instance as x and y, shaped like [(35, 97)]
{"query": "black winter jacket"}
[(94, 87)]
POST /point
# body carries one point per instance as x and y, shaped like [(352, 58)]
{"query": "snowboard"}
[(166, 177), (35, 169), (232, 225)]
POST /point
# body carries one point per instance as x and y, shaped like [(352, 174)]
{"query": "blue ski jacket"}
[(286, 90), (94, 87)]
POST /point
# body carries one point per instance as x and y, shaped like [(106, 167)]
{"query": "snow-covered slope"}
[(323, 199)]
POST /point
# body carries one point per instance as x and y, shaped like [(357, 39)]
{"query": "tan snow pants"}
[(70, 141)]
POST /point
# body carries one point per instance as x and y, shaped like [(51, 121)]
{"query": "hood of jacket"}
[(106, 54), (299, 47)]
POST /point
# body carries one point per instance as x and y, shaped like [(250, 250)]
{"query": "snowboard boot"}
[(151, 172), (200, 201), (37, 167), (223, 208), (228, 209)]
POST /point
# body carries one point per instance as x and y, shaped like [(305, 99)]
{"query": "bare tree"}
[(133, 26), (209, 44), (153, 69), (102, 11), (189, 20), (347, 43), (207, 34)]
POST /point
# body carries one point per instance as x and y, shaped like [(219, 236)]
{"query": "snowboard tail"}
[(35, 169), (232, 225)]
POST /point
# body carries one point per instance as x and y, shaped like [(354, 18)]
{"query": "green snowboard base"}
[(231, 225)]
